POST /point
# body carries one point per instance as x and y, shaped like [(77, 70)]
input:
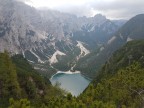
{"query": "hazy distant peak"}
[(99, 16)]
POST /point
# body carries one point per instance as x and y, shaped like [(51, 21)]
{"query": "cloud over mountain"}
[(111, 8)]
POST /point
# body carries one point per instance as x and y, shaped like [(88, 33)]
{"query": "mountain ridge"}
[(38, 34), (131, 30)]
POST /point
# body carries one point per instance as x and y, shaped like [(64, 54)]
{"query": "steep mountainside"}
[(132, 30), (120, 81), (120, 84), (132, 52), (40, 34)]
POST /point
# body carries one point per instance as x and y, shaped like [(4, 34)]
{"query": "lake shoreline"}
[(65, 72)]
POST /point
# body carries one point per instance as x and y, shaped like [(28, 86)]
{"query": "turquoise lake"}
[(75, 83)]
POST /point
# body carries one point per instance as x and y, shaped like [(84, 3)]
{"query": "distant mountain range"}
[(131, 30), (42, 35)]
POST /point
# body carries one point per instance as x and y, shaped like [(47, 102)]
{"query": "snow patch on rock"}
[(111, 40), (39, 60), (30, 61), (66, 72), (69, 72), (23, 53), (84, 51), (129, 39), (53, 58), (93, 28), (121, 36), (102, 48)]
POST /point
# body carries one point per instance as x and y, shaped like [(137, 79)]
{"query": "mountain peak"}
[(99, 16)]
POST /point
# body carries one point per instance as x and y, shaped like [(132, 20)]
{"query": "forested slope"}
[(19, 80)]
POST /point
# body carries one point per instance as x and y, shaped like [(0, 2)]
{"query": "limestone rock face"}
[(40, 33)]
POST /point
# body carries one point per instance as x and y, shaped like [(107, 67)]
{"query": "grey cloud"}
[(77, 10), (117, 9), (24, 0), (120, 8)]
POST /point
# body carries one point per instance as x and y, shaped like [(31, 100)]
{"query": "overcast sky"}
[(114, 9)]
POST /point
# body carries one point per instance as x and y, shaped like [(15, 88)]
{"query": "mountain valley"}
[(103, 59)]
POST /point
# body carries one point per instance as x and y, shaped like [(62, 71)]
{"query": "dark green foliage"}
[(18, 80), (124, 88), (69, 96), (23, 103), (129, 53), (45, 69), (8, 77), (33, 84), (9, 86)]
